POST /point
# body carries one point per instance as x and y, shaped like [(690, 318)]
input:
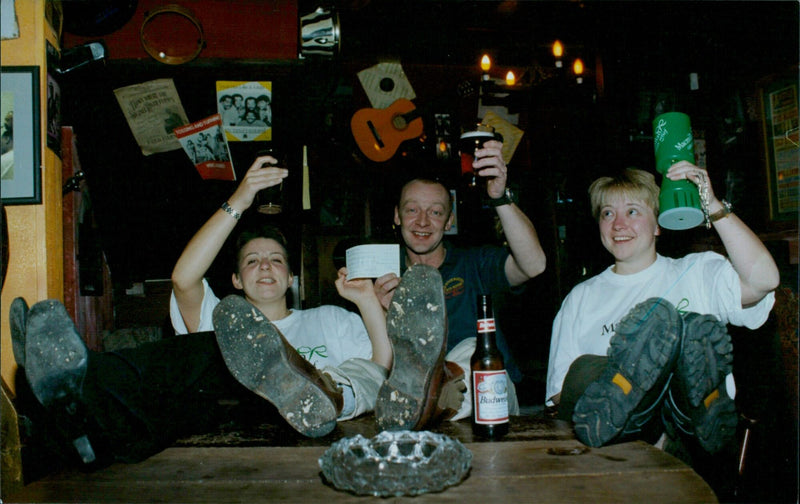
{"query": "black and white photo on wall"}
[(19, 109), (53, 100)]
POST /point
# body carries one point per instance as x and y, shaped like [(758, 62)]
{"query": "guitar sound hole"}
[(375, 134)]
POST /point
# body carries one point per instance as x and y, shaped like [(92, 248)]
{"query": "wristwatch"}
[(506, 199), (726, 210), (228, 209)]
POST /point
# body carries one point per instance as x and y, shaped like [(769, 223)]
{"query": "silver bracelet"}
[(231, 211)]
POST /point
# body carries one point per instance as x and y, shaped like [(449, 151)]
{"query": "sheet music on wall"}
[(153, 110), (205, 144), (246, 110)]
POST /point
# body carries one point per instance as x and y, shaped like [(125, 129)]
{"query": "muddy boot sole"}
[(417, 327), (642, 355), (256, 355), (55, 355), (56, 360)]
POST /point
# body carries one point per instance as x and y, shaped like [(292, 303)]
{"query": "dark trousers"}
[(582, 372), (142, 399)]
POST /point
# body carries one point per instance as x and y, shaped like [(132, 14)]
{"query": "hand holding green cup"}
[(679, 200)]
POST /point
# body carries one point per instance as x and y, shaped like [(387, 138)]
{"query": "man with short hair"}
[(423, 214)]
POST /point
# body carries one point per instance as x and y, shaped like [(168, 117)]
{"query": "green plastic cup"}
[(679, 200)]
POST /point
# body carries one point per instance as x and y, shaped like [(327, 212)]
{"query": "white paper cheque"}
[(372, 261)]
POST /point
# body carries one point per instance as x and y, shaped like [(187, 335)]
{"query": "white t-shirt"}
[(703, 283), (326, 336)]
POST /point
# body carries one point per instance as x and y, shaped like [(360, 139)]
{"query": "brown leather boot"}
[(417, 327), (452, 392), (261, 359)]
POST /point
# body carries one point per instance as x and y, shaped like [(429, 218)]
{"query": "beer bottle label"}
[(486, 325), (490, 394)]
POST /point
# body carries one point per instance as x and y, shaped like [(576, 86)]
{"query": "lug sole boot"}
[(641, 358), (417, 327), (261, 359), (698, 400), (56, 360)]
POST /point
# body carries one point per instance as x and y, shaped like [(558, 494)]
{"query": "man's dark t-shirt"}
[(466, 274)]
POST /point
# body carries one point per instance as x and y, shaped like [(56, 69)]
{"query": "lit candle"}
[(577, 67), (486, 63), (510, 78), (558, 51)]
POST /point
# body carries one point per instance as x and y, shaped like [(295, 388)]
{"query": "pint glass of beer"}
[(472, 138), (269, 201)]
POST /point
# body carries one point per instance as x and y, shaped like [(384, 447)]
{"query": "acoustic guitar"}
[(379, 132)]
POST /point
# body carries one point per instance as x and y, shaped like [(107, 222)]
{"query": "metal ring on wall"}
[(158, 53)]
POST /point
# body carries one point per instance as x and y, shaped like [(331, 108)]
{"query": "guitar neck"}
[(465, 89)]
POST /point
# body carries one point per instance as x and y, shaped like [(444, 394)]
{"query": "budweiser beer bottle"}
[(489, 379)]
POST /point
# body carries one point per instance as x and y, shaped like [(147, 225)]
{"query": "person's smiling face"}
[(264, 273), (628, 230), (423, 216)]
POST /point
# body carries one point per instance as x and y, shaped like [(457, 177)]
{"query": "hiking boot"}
[(18, 320), (641, 358), (417, 326), (261, 359), (55, 360), (698, 399)]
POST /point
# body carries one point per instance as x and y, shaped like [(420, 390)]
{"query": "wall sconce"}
[(558, 52), (511, 79), (577, 67)]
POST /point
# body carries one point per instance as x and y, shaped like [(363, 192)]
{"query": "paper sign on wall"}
[(511, 134)]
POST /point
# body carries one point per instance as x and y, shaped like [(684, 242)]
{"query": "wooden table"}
[(538, 462)]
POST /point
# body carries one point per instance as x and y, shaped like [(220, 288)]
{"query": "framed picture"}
[(780, 113), (53, 101), (21, 177)]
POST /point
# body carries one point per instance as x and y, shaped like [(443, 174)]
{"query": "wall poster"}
[(780, 124), (206, 147), (246, 110)]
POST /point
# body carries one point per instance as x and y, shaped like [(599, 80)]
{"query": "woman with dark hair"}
[(316, 366)]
